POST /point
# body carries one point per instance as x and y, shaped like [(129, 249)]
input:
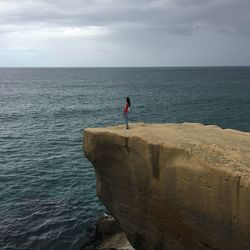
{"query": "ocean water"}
[(47, 187)]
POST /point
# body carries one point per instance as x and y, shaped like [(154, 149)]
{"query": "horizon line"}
[(89, 67)]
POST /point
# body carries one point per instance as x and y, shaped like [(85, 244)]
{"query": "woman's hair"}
[(128, 101)]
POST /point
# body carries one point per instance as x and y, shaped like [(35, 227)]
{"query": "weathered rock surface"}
[(110, 234), (107, 226), (175, 186)]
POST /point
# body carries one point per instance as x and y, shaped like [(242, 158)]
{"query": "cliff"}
[(174, 186)]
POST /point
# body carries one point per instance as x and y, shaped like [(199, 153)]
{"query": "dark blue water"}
[(47, 187)]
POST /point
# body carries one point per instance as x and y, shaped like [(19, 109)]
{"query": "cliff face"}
[(174, 186)]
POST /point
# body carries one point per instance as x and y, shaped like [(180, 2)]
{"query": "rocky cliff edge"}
[(174, 186)]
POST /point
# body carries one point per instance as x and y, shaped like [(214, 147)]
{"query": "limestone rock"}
[(117, 241), (109, 232), (174, 186), (107, 226)]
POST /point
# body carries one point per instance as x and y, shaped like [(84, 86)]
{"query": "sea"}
[(47, 187)]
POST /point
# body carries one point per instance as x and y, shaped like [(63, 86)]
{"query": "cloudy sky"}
[(91, 33)]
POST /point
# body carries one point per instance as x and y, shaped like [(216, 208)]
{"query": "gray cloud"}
[(140, 28), (181, 16)]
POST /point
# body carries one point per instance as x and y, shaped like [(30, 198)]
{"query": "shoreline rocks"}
[(110, 235)]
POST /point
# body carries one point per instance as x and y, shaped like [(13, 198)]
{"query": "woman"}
[(126, 110)]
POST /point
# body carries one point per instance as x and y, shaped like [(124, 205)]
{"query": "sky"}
[(124, 33)]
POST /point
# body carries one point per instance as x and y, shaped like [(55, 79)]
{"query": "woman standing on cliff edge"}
[(126, 110)]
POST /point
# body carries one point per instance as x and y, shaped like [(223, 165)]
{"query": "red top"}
[(126, 108)]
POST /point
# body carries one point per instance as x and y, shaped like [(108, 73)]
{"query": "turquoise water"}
[(47, 187)]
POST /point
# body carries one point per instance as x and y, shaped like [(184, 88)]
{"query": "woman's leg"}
[(126, 120)]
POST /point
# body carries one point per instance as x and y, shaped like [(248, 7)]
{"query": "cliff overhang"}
[(174, 186)]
